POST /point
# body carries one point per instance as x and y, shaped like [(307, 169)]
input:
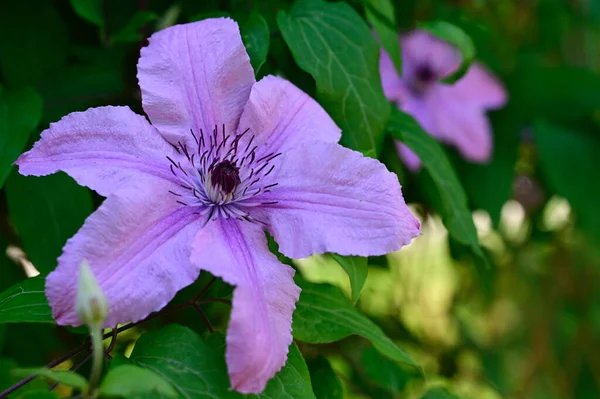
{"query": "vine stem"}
[(97, 360), (115, 331)]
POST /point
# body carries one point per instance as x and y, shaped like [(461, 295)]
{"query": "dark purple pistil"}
[(226, 176), (424, 74)]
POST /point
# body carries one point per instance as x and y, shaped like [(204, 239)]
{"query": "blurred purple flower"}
[(224, 159), (454, 114)]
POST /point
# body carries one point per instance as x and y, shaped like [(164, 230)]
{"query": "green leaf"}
[(454, 35), (128, 380), (385, 372), (34, 41), (256, 38), (438, 393), (357, 269), (69, 378), (381, 14), (39, 394), (131, 31), (20, 113), (324, 315), (326, 384), (569, 163), (456, 215), (90, 10), (25, 302), (46, 211), (333, 43), (182, 358)]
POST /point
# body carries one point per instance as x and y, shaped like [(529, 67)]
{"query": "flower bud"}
[(91, 305)]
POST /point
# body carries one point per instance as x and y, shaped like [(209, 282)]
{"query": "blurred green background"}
[(527, 326)]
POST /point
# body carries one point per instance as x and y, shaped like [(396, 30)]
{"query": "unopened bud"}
[(91, 305)]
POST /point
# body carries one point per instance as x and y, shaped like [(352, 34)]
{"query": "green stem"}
[(97, 359)]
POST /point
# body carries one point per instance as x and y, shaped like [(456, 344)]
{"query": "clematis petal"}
[(138, 246), (104, 148), (281, 116), (420, 48), (409, 158), (332, 199), (481, 88), (464, 126), (260, 324), (195, 76)]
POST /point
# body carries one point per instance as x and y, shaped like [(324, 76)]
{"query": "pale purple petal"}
[(104, 148), (481, 88), (260, 324), (408, 157), (394, 88), (138, 246), (195, 76), (420, 48), (332, 199), (281, 116), (462, 125)]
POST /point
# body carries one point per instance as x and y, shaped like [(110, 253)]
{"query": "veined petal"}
[(195, 76), (138, 247), (264, 299), (332, 199), (281, 116), (106, 149)]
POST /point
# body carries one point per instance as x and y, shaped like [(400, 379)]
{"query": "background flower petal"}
[(195, 76), (281, 116), (332, 199), (480, 87), (138, 246), (260, 324), (106, 149), (419, 48)]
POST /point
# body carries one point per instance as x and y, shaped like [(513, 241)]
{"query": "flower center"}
[(225, 177), (425, 74)]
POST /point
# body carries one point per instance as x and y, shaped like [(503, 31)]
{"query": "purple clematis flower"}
[(454, 114), (224, 159)]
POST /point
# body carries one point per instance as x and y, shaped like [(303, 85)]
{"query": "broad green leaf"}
[(456, 36), (20, 113), (25, 302), (381, 14), (438, 393), (324, 315), (385, 372), (357, 269), (181, 357), (326, 384), (39, 394), (131, 31), (197, 368), (128, 380), (90, 10), (256, 37), (569, 163), (456, 215), (46, 211), (34, 41), (333, 43), (65, 377)]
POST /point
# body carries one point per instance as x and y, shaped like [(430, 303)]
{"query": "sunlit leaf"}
[(385, 372), (128, 380), (357, 270), (323, 315), (65, 377), (25, 302), (333, 43)]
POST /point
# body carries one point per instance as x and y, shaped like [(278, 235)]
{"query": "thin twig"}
[(75, 367), (205, 318)]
